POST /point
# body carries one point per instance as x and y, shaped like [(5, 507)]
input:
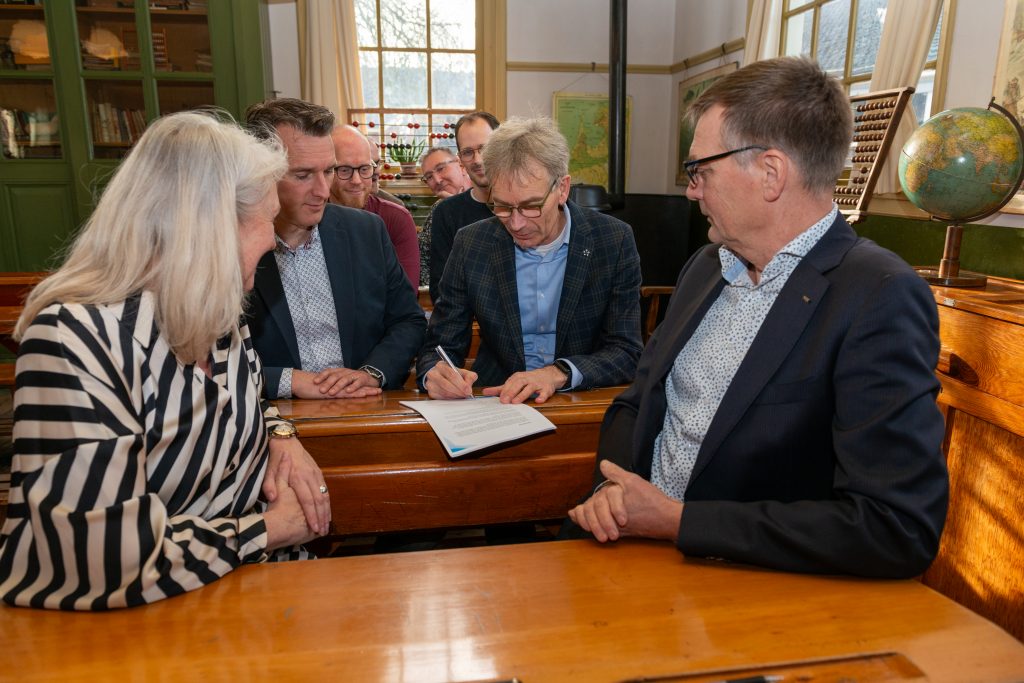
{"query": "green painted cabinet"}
[(80, 79)]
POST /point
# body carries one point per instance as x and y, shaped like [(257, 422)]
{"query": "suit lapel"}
[(267, 284), (503, 265), (782, 328), (577, 267), (334, 240)]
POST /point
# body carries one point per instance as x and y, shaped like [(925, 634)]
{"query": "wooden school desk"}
[(559, 611), (387, 471)]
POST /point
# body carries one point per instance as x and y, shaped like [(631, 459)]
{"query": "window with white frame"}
[(844, 35), (419, 61)]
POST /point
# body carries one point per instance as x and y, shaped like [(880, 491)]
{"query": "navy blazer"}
[(598, 324), (379, 319), (825, 453)]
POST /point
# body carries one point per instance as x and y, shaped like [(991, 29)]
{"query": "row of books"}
[(113, 124), (22, 131)]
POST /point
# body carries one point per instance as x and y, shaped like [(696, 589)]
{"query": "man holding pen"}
[(554, 287)]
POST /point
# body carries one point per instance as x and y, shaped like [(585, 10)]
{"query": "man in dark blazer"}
[(554, 287), (784, 412), (332, 314)]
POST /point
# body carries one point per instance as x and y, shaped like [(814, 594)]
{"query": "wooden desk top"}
[(385, 413), (560, 611), (1000, 298)]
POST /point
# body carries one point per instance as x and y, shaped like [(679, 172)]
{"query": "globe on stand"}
[(962, 165)]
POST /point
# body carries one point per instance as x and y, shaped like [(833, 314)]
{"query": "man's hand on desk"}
[(334, 383), (628, 506), (303, 480), (440, 382), (520, 386)]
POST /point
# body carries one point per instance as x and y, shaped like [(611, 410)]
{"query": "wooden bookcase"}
[(79, 81)]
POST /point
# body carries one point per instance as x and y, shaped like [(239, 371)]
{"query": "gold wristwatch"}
[(283, 430)]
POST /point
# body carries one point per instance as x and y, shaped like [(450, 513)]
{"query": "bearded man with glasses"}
[(554, 287), (353, 187), (783, 414), (332, 314)]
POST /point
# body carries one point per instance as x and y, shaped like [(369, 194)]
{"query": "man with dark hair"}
[(784, 412), (471, 134), (352, 187), (332, 315), (554, 287), (445, 177)]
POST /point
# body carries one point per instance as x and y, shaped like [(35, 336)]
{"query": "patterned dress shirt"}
[(307, 287), (705, 367)]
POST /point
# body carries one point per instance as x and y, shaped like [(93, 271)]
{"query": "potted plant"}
[(406, 153)]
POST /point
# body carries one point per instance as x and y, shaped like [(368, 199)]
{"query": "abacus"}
[(413, 135), (876, 116)]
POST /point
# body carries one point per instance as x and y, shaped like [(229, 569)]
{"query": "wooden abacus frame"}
[(876, 117)]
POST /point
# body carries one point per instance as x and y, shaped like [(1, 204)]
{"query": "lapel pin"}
[(806, 299), (586, 252)]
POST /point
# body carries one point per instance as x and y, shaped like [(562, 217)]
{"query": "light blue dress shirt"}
[(540, 272)]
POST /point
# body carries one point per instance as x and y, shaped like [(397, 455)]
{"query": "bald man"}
[(352, 187)]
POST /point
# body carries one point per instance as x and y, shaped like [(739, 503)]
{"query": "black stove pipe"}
[(617, 104)]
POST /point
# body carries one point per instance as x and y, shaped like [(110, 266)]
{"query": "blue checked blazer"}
[(598, 325)]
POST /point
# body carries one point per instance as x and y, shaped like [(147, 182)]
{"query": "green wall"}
[(991, 250)]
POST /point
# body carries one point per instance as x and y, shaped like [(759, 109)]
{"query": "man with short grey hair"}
[(783, 414), (554, 287)]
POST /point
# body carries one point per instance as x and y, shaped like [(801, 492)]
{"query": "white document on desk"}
[(467, 425)]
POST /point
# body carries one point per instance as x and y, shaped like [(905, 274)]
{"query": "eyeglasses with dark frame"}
[(691, 169), (526, 210), (365, 171), (467, 153), (429, 175)]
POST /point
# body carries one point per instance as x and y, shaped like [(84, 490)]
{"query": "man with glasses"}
[(472, 131), (332, 314), (554, 287), (783, 414), (445, 177), (353, 187)]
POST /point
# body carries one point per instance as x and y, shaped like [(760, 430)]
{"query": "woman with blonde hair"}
[(140, 442)]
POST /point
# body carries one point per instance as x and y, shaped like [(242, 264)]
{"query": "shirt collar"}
[(313, 239), (734, 268)]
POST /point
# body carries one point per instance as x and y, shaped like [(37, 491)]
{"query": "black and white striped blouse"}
[(135, 477)]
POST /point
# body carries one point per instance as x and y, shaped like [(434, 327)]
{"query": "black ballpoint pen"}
[(752, 679)]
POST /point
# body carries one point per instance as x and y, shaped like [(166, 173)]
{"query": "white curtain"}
[(329, 55), (906, 36), (763, 29)]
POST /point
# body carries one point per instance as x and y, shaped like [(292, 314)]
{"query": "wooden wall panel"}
[(41, 219)]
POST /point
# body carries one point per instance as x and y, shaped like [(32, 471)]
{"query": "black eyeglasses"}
[(467, 153), (365, 171), (429, 175), (692, 168), (526, 210)]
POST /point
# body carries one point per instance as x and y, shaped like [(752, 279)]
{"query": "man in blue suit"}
[(784, 412), (554, 287), (332, 314)]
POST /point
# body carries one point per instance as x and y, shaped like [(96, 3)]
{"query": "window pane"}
[(922, 97), (859, 88), (933, 49), (366, 23), (368, 70), (403, 23), (832, 34), (405, 80), (442, 127), (453, 24), (798, 34), (870, 19), (454, 80)]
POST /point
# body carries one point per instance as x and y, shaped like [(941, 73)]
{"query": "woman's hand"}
[(285, 520), (304, 479)]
